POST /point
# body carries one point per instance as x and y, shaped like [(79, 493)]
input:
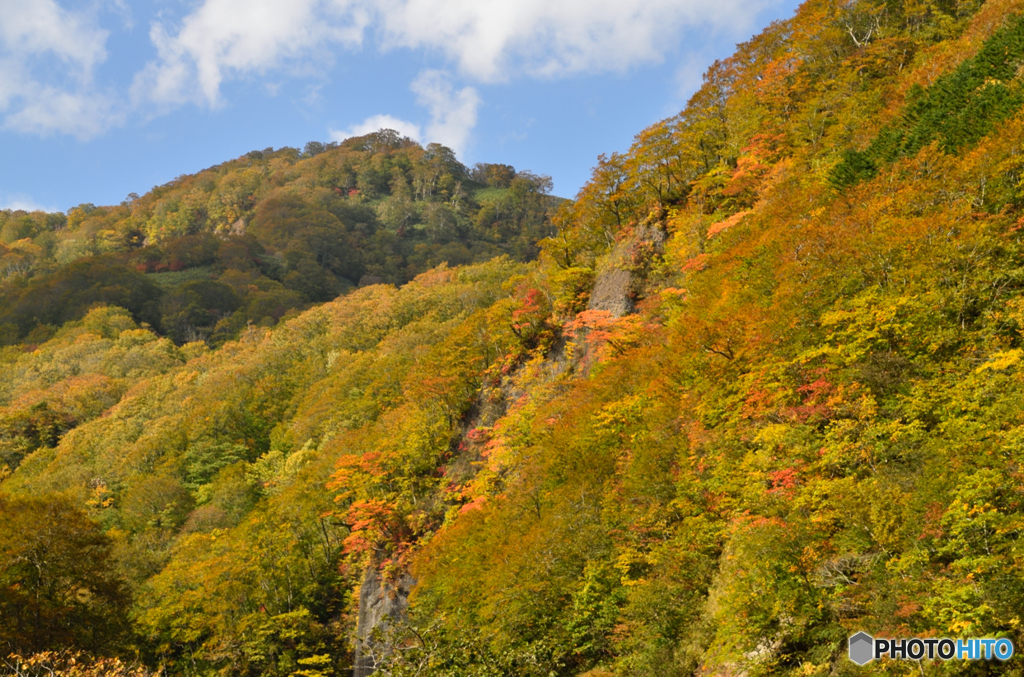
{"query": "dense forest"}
[(361, 409), (268, 234)]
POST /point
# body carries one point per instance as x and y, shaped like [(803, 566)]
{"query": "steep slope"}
[(214, 474), (813, 431), (761, 390)]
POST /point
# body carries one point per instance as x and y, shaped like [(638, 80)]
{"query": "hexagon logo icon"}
[(862, 648)]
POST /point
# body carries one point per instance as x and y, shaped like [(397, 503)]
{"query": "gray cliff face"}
[(621, 276), (380, 603), (611, 292)]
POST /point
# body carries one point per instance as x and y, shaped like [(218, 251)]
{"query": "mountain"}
[(761, 389), (270, 233)]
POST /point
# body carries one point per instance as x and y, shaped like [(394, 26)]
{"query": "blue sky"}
[(101, 98)]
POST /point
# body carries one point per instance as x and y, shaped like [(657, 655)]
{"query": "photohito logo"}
[(864, 648)]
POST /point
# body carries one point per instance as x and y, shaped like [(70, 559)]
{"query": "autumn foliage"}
[(762, 389)]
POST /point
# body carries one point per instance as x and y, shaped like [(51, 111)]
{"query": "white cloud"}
[(218, 41), (452, 114), (42, 26), (491, 40), (225, 38), (41, 36), (16, 201), (48, 109), (376, 123), (487, 40)]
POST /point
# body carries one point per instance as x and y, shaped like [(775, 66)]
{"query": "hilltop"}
[(272, 232)]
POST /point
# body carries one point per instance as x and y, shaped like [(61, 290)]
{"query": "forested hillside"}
[(761, 389), (268, 234)]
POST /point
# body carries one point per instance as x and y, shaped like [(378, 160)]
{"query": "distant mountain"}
[(271, 232)]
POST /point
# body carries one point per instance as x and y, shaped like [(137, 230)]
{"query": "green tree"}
[(57, 589)]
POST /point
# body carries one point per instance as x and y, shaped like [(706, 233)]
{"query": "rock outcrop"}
[(623, 273), (381, 603)]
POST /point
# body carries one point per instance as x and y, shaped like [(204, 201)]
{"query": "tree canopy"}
[(760, 389)]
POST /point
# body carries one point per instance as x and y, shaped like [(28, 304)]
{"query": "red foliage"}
[(476, 504), (783, 481)]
